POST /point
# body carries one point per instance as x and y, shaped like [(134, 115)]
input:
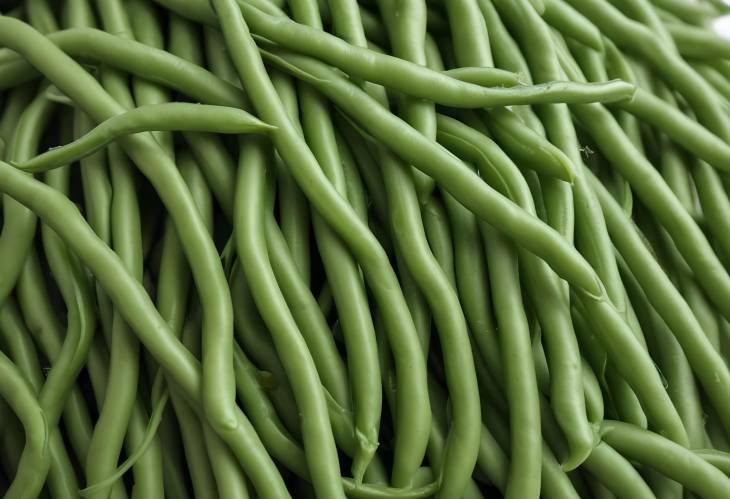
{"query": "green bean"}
[(43, 327), (394, 73), (664, 59), (658, 197), (661, 293), (41, 17), (462, 442), (719, 459), (169, 116), (213, 469), (696, 13), (206, 269), (528, 148), (697, 42), (345, 222), (306, 313), (343, 276), (293, 209), (671, 360), (255, 339), (407, 34), (523, 479), (52, 397), (17, 233), (118, 412), (664, 455), (592, 394), (681, 129), (297, 360), (616, 474), (137, 309), (35, 458), (572, 24), (495, 166), (61, 480)]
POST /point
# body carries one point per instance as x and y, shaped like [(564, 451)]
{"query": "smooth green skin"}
[(602, 258), (537, 46), (697, 42), (255, 339), (45, 330), (632, 361), (706, 363), (666, 457), (173, 116), (592, 393), (523, 479), (293, 208), (715, 79), (491, 460), (18, 232), (715, 203), (437, 439), (409, 78), (372, 410), (571, 23), (249, 227), (543, 286), (116, 412), (173, 285), (529, 148), (507, 55), (462, 443), (67, 363), (460, 451), (18, 344), (664, 58), (719, 459), (217, 470), (671, 360), (138, 310), (311, 322), (652, 189), (343, 275), (412, 428), (19, 396), (145, 27), (616, 473), (94, 174), (355, 317), (679, 127), (84, 90), (485, 77), (406, 26)]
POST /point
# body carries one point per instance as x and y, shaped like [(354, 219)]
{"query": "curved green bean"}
[(35, 458), (667, 457), (172, 116)]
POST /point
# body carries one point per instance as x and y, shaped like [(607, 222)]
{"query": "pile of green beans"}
[(379, 249)]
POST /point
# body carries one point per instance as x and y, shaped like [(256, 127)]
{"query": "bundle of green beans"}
[(387, 249)]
